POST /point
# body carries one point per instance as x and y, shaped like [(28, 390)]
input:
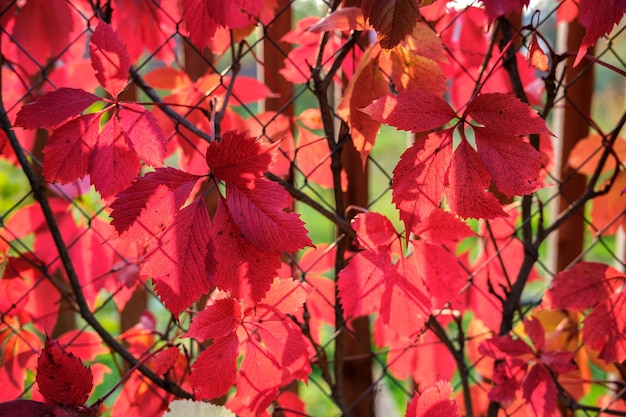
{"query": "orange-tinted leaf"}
[(536, 57), (347, 18), (585, 156), (411, 71), (366, 85), (608, 210), (62, 378), (392, 19)]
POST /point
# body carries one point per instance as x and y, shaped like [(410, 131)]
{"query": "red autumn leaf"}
[(219, 319), (514, 165), (505, 113), (366, 85), (243, 269), (374, 232), (392, 19), (285, 295), (112, 156), (425, 42), (149, 205), (181, 260), (442, 227), (598, 21), (507, 378), (215, 370), (237, 158), (534, 330), (405, 296), (604, 329), (165, 360), (68, 151), (203, 17), (583, 286), (412, 110), (258, 213), (143, 133), (433, 402), (540, 392), (418, 179), (62, 378), (441, 272), (109, 57), (54, 108), (467, 182), (362, 282), (559, 361), (502, 347), (497, 8), (25, 408)]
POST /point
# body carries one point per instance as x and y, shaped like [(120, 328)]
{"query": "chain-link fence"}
[(281, 80)]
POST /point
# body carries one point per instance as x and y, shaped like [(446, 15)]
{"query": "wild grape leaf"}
[(514, 164), (54, 108), (361, 283), (534, 329), (604, 329), (585, 156), (506, 113), (425, 42), (286, 295), (608, 209), (215, 370), (441, 272), (18, 354), (540, 392), (181, 260), (497, 8), (203, 17), (583, 286), (410, 71), (507, 379), (62, 378), (374, 232), (68, 151), (598, 21), (28, 408), (418, 179), (503, 347), (149, 205), (110, 59), (366, 85), (405, 296), (346, 18), (466, 182), (412, 110), (219, 319), (560, 361), (258, 213), (112, 165), (237, 158), (433, 402), (143, 133), (392, 19), (441, 227), (242, 268)]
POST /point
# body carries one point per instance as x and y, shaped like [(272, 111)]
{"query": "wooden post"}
[(579, 90)]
